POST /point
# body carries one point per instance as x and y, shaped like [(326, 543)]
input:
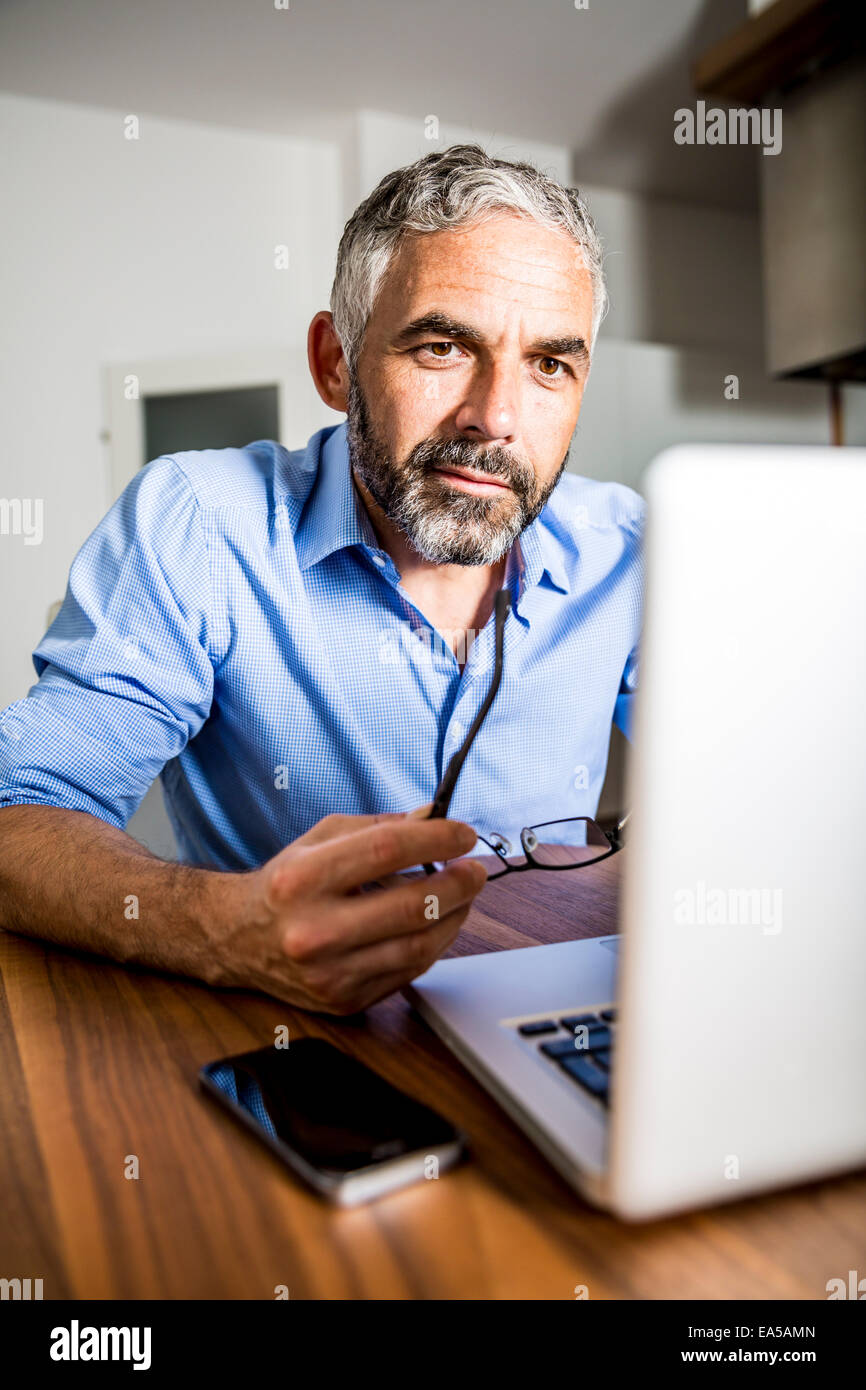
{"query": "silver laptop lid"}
[(741, 1057)]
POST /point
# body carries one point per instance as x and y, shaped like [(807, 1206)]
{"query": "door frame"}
[(300, 412)]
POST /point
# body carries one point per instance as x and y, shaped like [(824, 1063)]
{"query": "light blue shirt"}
[(234, 625)]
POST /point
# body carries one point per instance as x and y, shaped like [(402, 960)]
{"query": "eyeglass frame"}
[(445, 790), (613, 837)]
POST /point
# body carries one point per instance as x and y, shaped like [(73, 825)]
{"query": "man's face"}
[(469, 384)]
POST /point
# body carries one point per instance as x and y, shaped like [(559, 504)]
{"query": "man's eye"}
[(550, 366), (440, 349)]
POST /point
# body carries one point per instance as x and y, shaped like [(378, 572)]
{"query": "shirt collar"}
[(335, 517), (537, 553)]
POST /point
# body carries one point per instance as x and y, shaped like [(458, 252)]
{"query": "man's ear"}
[(327, 363)]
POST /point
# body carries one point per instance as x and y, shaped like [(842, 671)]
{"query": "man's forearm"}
[(299, 927), (70, 878)]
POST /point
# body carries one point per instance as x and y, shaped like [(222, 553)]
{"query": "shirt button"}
[(380, 561), (458, 730)]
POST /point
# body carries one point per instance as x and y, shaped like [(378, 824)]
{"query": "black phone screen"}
[(333, 1111)]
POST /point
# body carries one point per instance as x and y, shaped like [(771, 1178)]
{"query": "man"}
[(298, 642)]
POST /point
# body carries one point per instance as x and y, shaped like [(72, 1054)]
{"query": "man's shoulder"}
[(253, 475), (578, 503)]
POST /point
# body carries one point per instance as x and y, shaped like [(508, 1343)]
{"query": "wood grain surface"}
[(100, 1062)]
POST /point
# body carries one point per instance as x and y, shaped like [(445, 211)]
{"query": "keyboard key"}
[(578, 1020), (609, 1015), (532, 1030), (563, 1047), (582, 1070), (602, 1059)]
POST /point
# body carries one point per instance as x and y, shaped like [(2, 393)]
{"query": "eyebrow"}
[(562, 347), (452, 328), (439, 323)]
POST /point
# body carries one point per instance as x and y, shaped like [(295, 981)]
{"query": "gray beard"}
[(445, 527)]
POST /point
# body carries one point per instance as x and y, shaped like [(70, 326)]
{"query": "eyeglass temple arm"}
[(615, 835), (445, 790)]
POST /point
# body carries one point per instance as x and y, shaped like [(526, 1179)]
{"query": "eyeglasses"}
[(572, 843)]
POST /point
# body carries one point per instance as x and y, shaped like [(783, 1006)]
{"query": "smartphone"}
[(341, 1128)]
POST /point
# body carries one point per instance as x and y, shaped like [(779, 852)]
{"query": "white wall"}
[(118, 250), (384, 142), (642, 397)]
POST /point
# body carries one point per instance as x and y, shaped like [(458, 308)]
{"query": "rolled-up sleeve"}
[(125, 674)]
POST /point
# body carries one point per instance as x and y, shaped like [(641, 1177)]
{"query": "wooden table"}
[(99, 1062)]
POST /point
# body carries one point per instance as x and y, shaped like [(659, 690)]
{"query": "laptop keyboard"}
[(581, 1045)]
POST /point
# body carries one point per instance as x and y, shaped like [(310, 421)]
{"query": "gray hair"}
[(447, 189)]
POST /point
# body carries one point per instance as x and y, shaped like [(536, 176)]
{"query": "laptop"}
[(716, 1046)]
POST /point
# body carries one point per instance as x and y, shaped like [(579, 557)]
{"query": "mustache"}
[(462, 453)]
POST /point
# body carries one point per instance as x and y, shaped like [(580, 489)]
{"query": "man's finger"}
[(398, 910), (410, 955), (378, 970), (378, 850), (332, 827)]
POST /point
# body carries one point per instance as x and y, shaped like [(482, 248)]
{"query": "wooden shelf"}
[(778, 46)]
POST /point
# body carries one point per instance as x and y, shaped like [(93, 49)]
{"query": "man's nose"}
[(490, 410)]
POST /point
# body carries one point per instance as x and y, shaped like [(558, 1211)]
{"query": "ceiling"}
[(604, 81)]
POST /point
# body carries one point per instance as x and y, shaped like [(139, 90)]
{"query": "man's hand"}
[(308, 927)]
